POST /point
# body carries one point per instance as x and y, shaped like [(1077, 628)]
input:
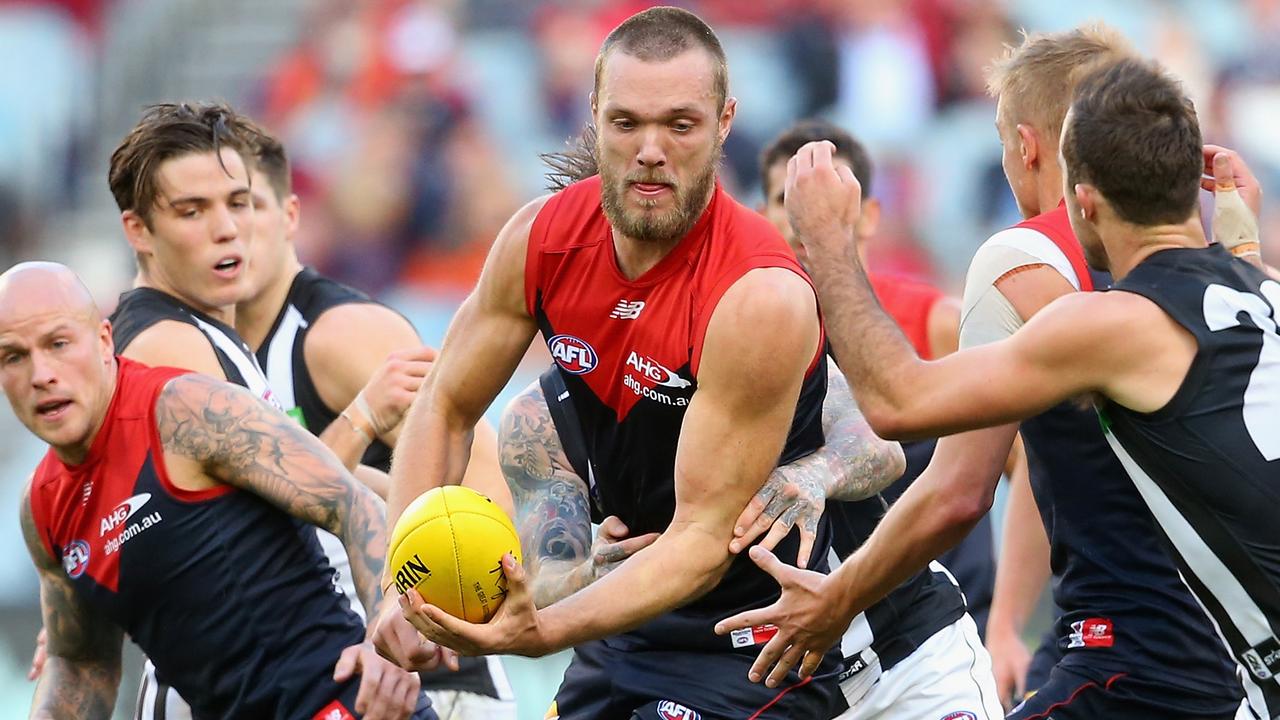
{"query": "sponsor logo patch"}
[(1092, 633), (573, 355), (1263, 659), (627, 310), (122, 512), (658, 374), (672, 710), (756, 635), (75, 558), (334, 711)]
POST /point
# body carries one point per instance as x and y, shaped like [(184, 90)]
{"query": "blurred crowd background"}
[(415, 128)]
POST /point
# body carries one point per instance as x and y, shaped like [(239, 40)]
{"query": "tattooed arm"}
[(222, 432), (551, 510), (855, 464), (82, 674)]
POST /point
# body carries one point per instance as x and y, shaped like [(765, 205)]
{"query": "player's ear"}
[(595, 102), (869, 221), (136, 232), (1028, 145), (726, 117), (1087, 199), (292, 214), (107, 340)]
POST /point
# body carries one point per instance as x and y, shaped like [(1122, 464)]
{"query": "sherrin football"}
[(448, 544)]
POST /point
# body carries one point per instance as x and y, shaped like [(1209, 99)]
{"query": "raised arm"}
[(216, 432), (733, 433), (552, 514), (486, 340), (82, 673), (1041, 365)]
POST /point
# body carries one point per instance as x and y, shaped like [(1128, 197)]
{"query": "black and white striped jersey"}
[(1208, 463), (282, 354), (141, 308)]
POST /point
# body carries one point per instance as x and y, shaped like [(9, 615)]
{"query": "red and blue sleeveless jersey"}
[(231, 598), (629, 350)]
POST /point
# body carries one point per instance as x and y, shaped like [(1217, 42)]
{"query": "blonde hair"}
[(1037, 78)]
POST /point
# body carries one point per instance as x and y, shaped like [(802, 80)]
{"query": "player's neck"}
[(255, 316), (1135, 243), (1048, 188), (637, 257), (226, 314)]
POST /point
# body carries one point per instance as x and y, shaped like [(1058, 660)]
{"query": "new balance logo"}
[(627, 310)]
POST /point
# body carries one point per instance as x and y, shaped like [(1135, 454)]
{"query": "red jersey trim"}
[(533, 252), (1051, 225), (162, 468), (733, 275)]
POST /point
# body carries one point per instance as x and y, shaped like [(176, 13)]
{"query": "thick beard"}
[(667, 227)]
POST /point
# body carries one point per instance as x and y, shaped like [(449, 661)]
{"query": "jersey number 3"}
[(1222, 308)]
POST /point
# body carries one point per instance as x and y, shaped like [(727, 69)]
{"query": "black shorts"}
[(604, 683), (1068, 695)]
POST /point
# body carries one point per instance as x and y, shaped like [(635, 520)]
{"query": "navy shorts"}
[(604, 683), (1068, 695)]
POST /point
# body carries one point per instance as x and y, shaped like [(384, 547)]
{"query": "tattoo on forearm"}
[(242, 442), (859, 463), (76, 690), (552, 513), (82, 674)]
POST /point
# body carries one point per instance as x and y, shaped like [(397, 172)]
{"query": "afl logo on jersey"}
[(962, 715), (75, 558), (574, 356), (671, 710)]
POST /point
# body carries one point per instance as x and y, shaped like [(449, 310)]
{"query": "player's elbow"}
[(886, 418), (965, 504), (892, 459), (704, 555)]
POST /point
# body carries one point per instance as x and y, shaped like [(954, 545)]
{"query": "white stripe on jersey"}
[(280, 356), (245, 362), (1242, 612)]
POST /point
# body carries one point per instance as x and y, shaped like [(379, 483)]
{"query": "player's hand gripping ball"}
[(448, 544)]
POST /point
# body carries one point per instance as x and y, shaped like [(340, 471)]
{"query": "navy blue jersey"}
[(1208, 463), (230, 598)]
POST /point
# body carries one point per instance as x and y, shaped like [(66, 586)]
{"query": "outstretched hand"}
[(808, 618)]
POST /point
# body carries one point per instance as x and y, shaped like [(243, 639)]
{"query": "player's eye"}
[(624, 125), (682, 126)]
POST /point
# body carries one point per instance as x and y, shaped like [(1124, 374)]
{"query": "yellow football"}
[(448, 544)]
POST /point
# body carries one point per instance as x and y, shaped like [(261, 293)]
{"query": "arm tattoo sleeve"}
[(82, 674), (552, 514), (241, 441), (855, 463)]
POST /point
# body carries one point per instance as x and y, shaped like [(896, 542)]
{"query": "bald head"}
[(40, 288)]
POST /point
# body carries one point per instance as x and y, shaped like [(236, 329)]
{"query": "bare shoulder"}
[(352, 325), (501, 287), (170, 343), (31, 531), (770, 294), (1099, 324), (764, 324)]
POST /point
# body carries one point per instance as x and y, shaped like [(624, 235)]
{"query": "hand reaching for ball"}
[(514, 630)]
